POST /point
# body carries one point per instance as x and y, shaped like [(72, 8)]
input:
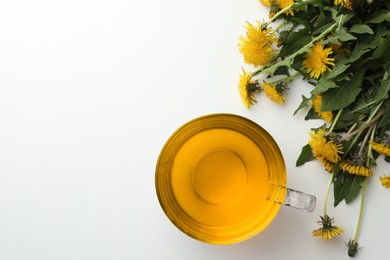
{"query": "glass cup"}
[(221, 179)]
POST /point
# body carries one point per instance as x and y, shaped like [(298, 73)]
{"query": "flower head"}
[(247, 87), (380, 148), (256, 47), (317, 61), (273, 92), (285, 3), (385, 180), (321, 147), (353, 247), (346, 3), (328, 165), (317, 102), (327, 231), (267, 2), (355, 168)]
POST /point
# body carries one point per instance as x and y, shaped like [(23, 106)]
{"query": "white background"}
[(89, 93)]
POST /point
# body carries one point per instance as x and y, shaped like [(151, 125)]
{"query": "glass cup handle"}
[(300, 200)]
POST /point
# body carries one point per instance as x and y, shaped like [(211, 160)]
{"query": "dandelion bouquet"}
[(341, 48)]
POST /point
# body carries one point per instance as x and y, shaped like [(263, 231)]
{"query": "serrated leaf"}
[(361, 29), (343, 35), (303, 104), (305, 156)]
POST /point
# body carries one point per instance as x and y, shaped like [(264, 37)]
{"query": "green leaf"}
[(295, 41), (345, 95), (305, 156), (303, 104), (343, 35), (383, 47), (323, 85), (321, 20), (361, 28), (346, 187), (343, 18), (282, 70), (380, 18), (337, 70), (338, 98), (357, 53), (382, 91), (311, 114)]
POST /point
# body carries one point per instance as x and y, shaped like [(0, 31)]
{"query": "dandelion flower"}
[(385, 180), (352, 168), (256, 47), (327, 231), (323, 148), (317, 61), (247, 87), (267, 2), (328, 165), (285, 3), (380, 148), (346, 3), (326, 115), (272, 92)]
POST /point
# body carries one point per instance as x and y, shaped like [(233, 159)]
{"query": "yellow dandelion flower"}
[(350, 167), (385, 180), (346, 3), (380, 148), (256, 47), (326, 115), (271, 92), (327, 231), (326, 163), (246, 88), (285, 3), (323, 148), (267, 2), (317, 61)]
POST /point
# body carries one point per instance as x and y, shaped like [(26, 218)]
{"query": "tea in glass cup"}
[(221, 179)]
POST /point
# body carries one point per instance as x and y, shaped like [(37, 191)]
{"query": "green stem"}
[(361, 209), (287, 79), (374, 116), (287, 61), (273, 18), (335, 120), (283, 23), (285, 10), (364, 189), (328, 191), (365, 125)]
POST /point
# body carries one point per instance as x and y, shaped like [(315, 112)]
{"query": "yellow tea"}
[(221, 178), (227, 180)]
